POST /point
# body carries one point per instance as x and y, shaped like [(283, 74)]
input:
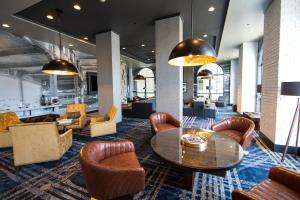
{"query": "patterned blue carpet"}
[(63, 179)]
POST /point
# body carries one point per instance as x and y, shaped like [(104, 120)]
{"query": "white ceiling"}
[(26, 28), (244, 23)]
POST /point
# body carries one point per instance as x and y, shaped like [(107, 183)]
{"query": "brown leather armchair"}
[(238, 128), (280, 184), (161, 121), (111, 169)]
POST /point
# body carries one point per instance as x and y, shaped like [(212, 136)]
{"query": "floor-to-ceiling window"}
[(211, 88), (146, 88)]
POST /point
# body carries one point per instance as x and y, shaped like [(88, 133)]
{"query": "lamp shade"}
[(205, 74), (192, 52), (290, 88), (60, 67), (139, 77)]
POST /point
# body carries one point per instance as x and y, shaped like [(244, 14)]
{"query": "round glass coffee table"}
[(220, 154)]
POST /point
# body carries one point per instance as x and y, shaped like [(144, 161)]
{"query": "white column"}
[(246, 81), (233, 81), (131, 84), (109, 75), (280, 64), (53, 85), (188, 78), (168, 32)]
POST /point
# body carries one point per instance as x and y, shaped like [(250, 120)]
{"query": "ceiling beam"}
[(21, 65), (18, 51)]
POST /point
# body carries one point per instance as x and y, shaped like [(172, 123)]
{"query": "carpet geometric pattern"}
[(63, 179)]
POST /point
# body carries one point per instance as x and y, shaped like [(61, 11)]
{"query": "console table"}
[(255, 117)]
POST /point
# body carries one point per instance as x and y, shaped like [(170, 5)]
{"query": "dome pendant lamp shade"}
[(205, 74), (60, 66), (192, 52), (139, 77)]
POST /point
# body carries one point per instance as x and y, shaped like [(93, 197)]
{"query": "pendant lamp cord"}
[(192, 34), (60, 46)]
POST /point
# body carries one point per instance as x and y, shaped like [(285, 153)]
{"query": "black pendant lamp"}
[(60, 66), (192, 51), (139, 77), (205, 74)]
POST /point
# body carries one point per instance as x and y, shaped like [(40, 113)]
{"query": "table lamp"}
[(292, 89)]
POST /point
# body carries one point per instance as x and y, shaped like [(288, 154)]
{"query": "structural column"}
[(131, 84), (169, 98), (188, 79), (280, 64), (233, 81), (109, 75), (246, 79)]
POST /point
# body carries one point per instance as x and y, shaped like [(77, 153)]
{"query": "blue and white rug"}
[(63, 179)]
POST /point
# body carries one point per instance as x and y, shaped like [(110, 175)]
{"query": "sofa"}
[(280, 184), (140, 109), (38, 142), (111, 169), (102, 126), (77, 112), (194, 108), (220, 102), (238, 128), (7, 119)]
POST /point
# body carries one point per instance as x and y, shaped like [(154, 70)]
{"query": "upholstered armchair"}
[(7, 119), (104, 125), (38, 142), (280, 184), (111, 169), (238, 128), (161, 121), (77, 112)]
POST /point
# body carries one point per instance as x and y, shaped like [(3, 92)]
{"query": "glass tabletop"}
[(221, 152)]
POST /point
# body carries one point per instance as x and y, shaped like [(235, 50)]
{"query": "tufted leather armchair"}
[(280, 184), (111, 169), (238, 128), (161, 121)]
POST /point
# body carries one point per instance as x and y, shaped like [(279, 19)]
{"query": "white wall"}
[(10, 92), (246, 92), (281, 58), (233, 81)]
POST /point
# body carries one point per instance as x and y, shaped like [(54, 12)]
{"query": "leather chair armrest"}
[(173, 121), (247, 137), (220, 126), (240, 195), (285, 177), (82, 121), (119, 147)]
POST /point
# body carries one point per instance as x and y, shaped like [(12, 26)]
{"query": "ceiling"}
[(132, 19), (244, 23)]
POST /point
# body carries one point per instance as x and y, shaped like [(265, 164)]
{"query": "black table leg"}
[(189, 177)]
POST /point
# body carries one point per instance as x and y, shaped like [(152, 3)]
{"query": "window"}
[(149, 83), (211, 88)]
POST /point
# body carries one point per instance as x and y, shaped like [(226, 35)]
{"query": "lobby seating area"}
[(149, 100)]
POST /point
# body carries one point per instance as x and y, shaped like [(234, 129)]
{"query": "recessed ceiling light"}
[(5, 25), (148, 59), (205, 35), (103, 1), (251, 31), (152, 51), (123, 48), (50, 17), (211, 9), (77, 6), (85, 38), (70, 45), (143, 45)]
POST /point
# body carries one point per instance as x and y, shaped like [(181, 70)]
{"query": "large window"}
[(211, 88), (146, 88)]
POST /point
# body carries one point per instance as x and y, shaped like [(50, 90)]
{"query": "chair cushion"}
[(124, 160), (269, 189), (164, 126), (236, 135), (73, 115)]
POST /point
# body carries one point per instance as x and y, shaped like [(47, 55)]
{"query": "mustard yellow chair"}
[(7, 119), (79, 122), (101, 126), (38, 142)]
